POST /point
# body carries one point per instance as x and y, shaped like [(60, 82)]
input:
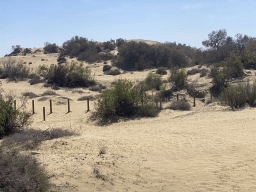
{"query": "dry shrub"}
[(31, 138), (35, 81), (180, 105), (43, 99), (77, 91), (102, 151), (21, 173), (13, 70), (95, 88), (30, 95), (97, 173), (113, 72)]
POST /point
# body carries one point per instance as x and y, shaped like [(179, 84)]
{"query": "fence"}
[(88, 106)]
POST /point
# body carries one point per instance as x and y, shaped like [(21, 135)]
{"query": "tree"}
[(50, 48), (241, 41), (216, 39), (251, 44)]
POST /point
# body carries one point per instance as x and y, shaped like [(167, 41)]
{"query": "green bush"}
[(248, 58), (108, 45), (125, 100), (250, 90), (11, 120), (154, 81), (234, 96), (161, 71), (237, 95), (50, 48), (179, 77), (65, 75), (219, 76)]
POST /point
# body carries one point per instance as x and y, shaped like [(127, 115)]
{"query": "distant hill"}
[(145, 41)]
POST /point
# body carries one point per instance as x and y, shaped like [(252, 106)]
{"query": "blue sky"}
[(32, 23)]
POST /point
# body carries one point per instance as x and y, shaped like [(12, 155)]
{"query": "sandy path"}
[(210, 151)]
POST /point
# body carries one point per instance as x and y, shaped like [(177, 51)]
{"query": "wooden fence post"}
[(88, 108), (33, 107), (44, 113), (68, 106), (50, 106), (211, 94), (194, 99), (177, 97), (14, 102)]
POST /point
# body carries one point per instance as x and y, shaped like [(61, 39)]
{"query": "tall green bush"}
[(234, 96), (125, 99), (154, 81), (179, 77), (219, 76)]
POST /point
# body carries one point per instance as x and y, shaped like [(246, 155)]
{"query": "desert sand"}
[(210, 148)]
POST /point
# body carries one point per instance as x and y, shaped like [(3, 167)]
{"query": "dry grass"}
[(43, 99), (30, 95), (77, 91), (49, 92), (98, 175), (102, 151), (31, 138), (21, 173)]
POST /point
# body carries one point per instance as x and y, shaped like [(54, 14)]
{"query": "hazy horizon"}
[(30, 24)]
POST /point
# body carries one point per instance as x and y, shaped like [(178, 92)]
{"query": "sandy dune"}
[(210, 148)]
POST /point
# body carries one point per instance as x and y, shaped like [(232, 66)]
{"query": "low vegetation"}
[(11, 120), (180, 105), (125, 100), (29, 139), (237, 96), (154, 81), (13, 70), (178, 77), (113, 72), (21, 173), (161, 71), (67, 75)]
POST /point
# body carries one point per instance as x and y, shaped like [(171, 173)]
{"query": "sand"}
[(210, 148)]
